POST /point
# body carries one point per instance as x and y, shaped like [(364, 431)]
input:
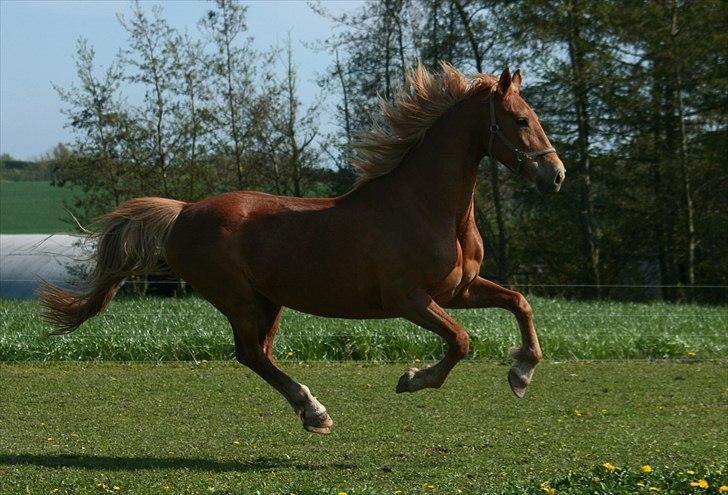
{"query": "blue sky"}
[(37, 40)]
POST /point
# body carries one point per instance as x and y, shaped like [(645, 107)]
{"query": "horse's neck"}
[(441, 171)]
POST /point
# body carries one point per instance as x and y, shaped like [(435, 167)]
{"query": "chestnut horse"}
[(403, 243)]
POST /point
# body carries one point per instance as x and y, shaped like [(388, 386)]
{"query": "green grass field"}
[(80, 428), (623, 384), (155, 329), (33, 207)]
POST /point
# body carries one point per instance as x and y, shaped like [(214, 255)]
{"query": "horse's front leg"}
[(421, 310), (482, 293)]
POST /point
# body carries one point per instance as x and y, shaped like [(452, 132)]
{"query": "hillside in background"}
[(34, 207)]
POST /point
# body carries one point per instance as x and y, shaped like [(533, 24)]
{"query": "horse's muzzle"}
[(550, 178)]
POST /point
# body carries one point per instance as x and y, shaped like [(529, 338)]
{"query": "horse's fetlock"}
[(462, 345)]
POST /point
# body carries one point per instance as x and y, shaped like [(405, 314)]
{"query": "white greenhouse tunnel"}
[(57, 258)]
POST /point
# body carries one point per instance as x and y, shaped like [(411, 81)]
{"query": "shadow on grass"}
[(140, 463)]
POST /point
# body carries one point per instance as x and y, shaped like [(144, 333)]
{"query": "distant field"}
[(33, 207), (154, 329)]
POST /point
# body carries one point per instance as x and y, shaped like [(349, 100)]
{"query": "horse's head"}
[(516, 138)]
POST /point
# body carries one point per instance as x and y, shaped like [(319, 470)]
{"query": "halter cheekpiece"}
[(522, 157)]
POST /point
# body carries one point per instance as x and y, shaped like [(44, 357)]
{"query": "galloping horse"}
[(402, 243)]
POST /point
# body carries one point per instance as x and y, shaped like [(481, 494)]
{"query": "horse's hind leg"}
[(482, 293), (254, 324), (269, 318)]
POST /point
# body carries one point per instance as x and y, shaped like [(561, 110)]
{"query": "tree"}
[(295, 151), (95, 114), (150, 54), (240, 111)]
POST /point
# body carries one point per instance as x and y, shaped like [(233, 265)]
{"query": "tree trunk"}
[(501, 244), (345, 93), (581, 108), (684, 164), (387, 50)]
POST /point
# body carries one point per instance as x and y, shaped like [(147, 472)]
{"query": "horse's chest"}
[(467, 265)]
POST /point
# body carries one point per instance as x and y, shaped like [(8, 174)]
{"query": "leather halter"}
[(522, 157)]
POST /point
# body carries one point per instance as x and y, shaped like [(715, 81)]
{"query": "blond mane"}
[(403, 122)]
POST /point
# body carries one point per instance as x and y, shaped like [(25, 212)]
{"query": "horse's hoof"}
[(517, 383), (405, 383), (319, 423), (317, 429)]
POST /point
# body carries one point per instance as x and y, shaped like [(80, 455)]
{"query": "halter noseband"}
[(522, 157)]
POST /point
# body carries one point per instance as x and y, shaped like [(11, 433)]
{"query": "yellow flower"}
[(646, 468), (609, 467), (577, 412), (289, 353), (690, 471), (167, 488), (717, 471), (55, 490), (692, 354), (639, 483), (723, 489), (701, 483), (117, 487), (653, 489), (595, 479), (343, 493), (549, 491), (236, 442)]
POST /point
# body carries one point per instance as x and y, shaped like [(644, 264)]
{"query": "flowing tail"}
[(130, 242)]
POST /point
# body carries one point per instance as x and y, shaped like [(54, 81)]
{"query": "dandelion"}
[(647, 468), (167, 488), (609, 468), (55, 490), (289, 353), (236, 442), (690, 471), (596, 479), (639, 483), (547, 489), (117, 488), (653, 489), (723, 489), (577, 412), (692, 354), (701, 483), (343, 493)]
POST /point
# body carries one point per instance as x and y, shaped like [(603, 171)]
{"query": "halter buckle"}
[(494, 128)]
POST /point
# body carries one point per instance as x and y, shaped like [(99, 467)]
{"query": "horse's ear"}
[(504, 83), (516, 79)]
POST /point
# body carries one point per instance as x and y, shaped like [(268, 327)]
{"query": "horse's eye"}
[(522, 122)]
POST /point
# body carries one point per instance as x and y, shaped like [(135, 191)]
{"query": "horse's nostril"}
[(560, 175)]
